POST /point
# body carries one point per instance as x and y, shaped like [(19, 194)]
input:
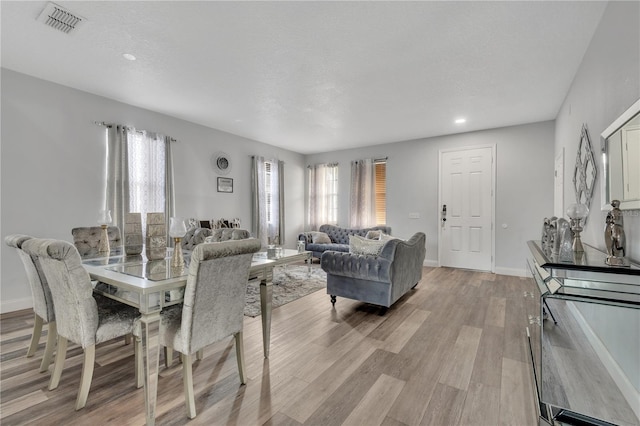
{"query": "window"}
[(323, 195), (368, 196), (381, 192), (146, 173), (268, 200), (268, 193), (143, 161)]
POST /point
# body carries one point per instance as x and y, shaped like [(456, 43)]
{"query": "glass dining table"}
[(151, 285)]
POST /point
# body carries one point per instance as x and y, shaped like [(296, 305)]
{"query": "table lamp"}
[(177, 229), (104, 219), (577, 212)]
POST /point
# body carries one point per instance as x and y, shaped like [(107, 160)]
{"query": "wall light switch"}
[(414, 215)]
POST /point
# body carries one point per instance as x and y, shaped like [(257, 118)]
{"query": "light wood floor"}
[(451, 352)]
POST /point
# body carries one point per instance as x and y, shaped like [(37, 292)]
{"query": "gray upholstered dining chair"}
[(213, 307), (81, 317), (87, 239), (42, 301)]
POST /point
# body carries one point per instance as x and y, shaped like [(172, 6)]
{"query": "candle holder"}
[(177, 229), (104, 219), (577, 212)]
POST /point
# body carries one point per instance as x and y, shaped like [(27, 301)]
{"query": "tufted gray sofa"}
[(196, 236), (339, 238), (380, 280)]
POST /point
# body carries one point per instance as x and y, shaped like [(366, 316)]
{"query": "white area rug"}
[(290, 282)]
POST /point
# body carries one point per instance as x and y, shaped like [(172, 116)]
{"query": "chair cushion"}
[(361, 245)]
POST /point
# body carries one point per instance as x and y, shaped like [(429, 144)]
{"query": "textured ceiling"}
[(315, 76)]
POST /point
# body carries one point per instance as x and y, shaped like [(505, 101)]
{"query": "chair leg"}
[(240, 356), (52, 336), (200, 354), (127, 339), (87, 375), (61, 354), (187, 378), (35, 337), (137, 350), (168, 356)]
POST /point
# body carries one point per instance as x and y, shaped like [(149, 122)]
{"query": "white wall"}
[(524, 189), (606, 84), (52, 165)]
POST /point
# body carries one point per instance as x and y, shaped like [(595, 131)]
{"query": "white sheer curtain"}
[(363, 196), (139, 174), (323, 195), (267, 194)]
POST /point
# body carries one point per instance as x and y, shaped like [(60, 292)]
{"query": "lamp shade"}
[(177, 228), (577, 211), (104, 217)]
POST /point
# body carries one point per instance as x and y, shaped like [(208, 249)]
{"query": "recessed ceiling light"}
[(461, 120), (129, 56)]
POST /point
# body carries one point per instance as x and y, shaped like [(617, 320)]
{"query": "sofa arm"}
[(364, 267), (304, 237)]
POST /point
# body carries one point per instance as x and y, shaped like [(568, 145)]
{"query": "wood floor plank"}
[(328, 366), (373, 408), (22, 403), (404, 331), (351, 390), (516, 394), (496, 311), (487, 368), (445, 406), (457, 371), (481, 406), (318, 391)]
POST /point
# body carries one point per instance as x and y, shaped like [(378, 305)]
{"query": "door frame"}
[(493, 198)]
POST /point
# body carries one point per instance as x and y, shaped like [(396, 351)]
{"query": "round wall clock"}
[(221, 163)]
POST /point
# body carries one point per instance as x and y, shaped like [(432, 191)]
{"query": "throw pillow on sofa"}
[(319, 238), (361, 245), (386, 237), (373, 235)]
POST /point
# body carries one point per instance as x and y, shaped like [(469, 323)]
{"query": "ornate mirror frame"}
[(584, 174), (613, 159)]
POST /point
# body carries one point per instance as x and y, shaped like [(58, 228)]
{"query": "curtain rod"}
[(323, 164), (109, 125)]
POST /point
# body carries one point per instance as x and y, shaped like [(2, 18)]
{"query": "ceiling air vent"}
[(60, 18)]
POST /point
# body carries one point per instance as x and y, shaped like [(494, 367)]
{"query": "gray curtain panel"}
[(117, 185), (363, 209), (258, 200)]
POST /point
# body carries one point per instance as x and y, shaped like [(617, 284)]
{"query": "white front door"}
[(466, 208)]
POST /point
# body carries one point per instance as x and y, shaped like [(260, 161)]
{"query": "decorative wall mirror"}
[(621, 160), (584, 175)]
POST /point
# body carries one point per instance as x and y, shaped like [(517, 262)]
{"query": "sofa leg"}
[(383, 311), (333, 300)]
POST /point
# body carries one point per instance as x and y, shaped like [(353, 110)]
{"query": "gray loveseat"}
[(380, 280), (339, 238)]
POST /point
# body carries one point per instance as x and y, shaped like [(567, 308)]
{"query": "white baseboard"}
[(16, 305), (619, 377), (512, 271), (431, 263)]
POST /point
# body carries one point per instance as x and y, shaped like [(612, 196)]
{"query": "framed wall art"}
[(225, 184)]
